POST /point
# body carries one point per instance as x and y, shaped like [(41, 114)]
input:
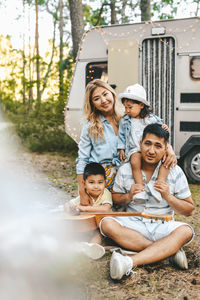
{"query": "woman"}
[(98, 141)]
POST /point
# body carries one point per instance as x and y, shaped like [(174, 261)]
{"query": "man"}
[(154, 240)]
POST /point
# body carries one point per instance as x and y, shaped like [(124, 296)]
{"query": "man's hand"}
[(162, 187), (122, 155), (85, 199), (135, 189)]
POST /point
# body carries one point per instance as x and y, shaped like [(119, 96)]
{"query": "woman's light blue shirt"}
[(100, 151)]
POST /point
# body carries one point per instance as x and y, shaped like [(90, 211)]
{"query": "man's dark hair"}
[(94, 169), (157, 130), (145, 111)]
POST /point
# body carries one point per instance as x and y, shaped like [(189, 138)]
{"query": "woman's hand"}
[(85, 199), (169, 159)]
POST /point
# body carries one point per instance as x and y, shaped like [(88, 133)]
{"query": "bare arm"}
[(184, 207), (84, 198), (121, 199), (169, 159), (124, 199), (100, 208)]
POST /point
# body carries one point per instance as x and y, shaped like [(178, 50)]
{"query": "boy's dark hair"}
[(157, 130), (144, 112), (94, 169)]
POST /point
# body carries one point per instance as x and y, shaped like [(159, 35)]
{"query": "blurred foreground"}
[(37, 257)]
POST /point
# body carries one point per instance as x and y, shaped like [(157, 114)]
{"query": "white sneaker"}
[(119, 250), (142, 196), (120, 265), (92, 250), (180, 259), (154, 193)]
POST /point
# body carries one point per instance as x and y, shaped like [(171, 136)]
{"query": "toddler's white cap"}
[(135, 92)]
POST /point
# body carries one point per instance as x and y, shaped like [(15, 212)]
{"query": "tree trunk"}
[(51, 60), (123, 15), (30, 91), (61, 25), (77, 27), (24, 62), (145, 7), (37, 56), (113, 11)]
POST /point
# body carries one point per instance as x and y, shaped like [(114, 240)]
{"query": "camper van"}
[(163, 56)]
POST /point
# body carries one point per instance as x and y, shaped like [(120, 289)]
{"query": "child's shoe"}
[(139, 197), (157, 196), (92, 250)]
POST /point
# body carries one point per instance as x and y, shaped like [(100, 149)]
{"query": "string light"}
[(107, 35)]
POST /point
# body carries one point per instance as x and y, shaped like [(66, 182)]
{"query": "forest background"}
[(34, 87)]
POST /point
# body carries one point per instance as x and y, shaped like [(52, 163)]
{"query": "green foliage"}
[(43, 131), (167, 9), (91, 16)]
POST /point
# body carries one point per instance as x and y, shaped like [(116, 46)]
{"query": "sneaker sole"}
[(94, 251)]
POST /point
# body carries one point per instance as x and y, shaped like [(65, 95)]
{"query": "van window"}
[(97, 70), (190, 97), (195, 67)]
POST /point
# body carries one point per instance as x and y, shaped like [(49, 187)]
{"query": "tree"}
[(61, 25), (37, 55), (24, 62), (113, 12), (30, 79), (77, 27), (145, 7)]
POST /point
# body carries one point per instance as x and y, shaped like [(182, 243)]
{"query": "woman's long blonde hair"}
[(96, 128)]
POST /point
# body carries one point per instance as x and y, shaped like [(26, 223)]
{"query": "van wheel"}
[(192, 165)]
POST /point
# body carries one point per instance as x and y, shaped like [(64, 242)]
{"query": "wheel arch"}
[(192, 142)]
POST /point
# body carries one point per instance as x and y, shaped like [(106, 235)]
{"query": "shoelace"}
[(130, 272)]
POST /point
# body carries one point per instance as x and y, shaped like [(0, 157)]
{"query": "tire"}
[(192, 165)]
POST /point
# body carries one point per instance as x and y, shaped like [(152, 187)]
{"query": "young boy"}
[(101, 199)]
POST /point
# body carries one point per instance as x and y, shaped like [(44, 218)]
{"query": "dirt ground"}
[(157, 281)]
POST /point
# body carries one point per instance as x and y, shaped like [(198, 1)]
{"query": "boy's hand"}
[(74, 208), (122, 155), (165, 127), (81, 208)]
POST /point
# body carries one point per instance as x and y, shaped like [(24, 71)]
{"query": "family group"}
[(127, 161)]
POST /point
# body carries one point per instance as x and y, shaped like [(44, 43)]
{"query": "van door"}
[(158, 77), (123, 63)]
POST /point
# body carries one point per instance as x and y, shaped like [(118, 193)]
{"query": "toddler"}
[(137, 117)]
